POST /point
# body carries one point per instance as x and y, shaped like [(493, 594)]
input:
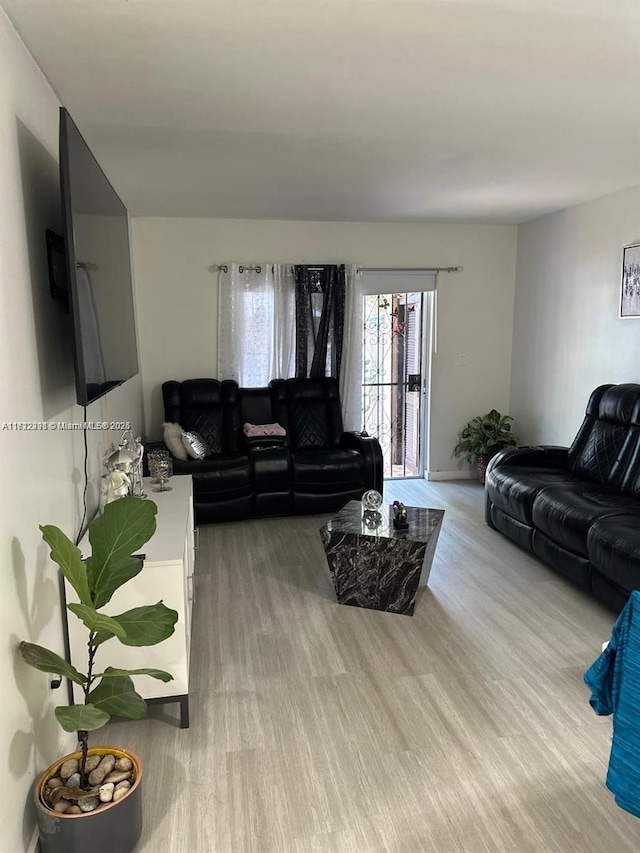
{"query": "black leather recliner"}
[(223, 482), (329, 466), (578, 508), (316, 468)]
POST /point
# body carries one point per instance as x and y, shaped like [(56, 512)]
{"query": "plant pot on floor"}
[(481, 466), (114, 826), (78, 825), (483, 437)]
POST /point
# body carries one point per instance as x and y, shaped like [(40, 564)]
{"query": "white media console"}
[(167, 576)]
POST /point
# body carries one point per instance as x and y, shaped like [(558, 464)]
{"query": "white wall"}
[(177, 301), (567, 337), (41, 472)]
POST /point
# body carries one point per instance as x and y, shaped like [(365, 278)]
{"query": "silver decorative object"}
[(400, 516), (153, 456), (135, 448), (114, 484), (119, 459), (372, 499), (163, 469), (372, 519), (123, 466)]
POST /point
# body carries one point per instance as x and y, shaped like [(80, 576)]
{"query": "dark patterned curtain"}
[(319, 320)]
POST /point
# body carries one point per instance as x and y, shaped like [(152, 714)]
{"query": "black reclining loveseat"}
[(316, 468), (578, 508)]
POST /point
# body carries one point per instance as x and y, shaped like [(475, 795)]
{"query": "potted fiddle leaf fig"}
[(483, 437), (92, 799)]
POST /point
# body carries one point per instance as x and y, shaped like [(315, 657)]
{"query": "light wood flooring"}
[(317, 728)]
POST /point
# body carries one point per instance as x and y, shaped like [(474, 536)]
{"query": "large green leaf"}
[(116, 575), (95, 621), (121, 531), (160, 674), (68, 557), (117, 697), (76, 718), (144, 626), (47, 661)]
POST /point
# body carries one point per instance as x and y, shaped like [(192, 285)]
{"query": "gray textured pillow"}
[(195, 445), (173, 440)]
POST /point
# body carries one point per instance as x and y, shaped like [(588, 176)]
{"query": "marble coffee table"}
[(380, 568)]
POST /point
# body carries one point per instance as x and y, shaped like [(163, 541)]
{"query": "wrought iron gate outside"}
[(392, 378)]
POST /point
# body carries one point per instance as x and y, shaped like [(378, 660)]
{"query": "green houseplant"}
[(483, 437), (115, 537)]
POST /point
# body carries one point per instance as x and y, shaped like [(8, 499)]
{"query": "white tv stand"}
[(168, 575)]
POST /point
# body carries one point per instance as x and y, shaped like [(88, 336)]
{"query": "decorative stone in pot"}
[(85, 821)]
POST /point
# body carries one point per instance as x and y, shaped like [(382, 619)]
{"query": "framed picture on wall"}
[(630, 285)]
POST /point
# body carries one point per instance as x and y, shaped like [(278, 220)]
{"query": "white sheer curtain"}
[(255, 323), (283, 346), (351, 367), (256, 331)]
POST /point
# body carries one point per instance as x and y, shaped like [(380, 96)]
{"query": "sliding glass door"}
[(393, 378)]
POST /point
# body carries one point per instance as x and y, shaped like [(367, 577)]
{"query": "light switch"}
[(462, 359)]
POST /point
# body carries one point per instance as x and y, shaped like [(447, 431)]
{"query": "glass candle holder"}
[(153, 457), (163, 471)]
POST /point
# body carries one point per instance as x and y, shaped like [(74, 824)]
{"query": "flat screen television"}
[(98, 265)]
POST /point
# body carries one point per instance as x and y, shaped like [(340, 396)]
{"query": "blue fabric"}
[(614, 681)]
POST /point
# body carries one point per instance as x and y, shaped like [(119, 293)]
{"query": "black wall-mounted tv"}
[(57, 261), (100, 289)]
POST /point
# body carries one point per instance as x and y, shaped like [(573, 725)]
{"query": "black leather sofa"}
[(316, 468), (578, 508)]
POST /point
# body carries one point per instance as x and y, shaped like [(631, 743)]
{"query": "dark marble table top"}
[(422, 522)]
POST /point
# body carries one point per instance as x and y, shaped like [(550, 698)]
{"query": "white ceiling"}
[(407, 111)]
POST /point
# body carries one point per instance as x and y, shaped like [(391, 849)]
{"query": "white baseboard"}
[(451, 475)]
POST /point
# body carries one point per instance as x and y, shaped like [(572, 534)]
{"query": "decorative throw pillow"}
[(195, 445), (252, 430), (173, 440)]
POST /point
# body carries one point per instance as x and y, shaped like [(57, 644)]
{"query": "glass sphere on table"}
[(372, 500)]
